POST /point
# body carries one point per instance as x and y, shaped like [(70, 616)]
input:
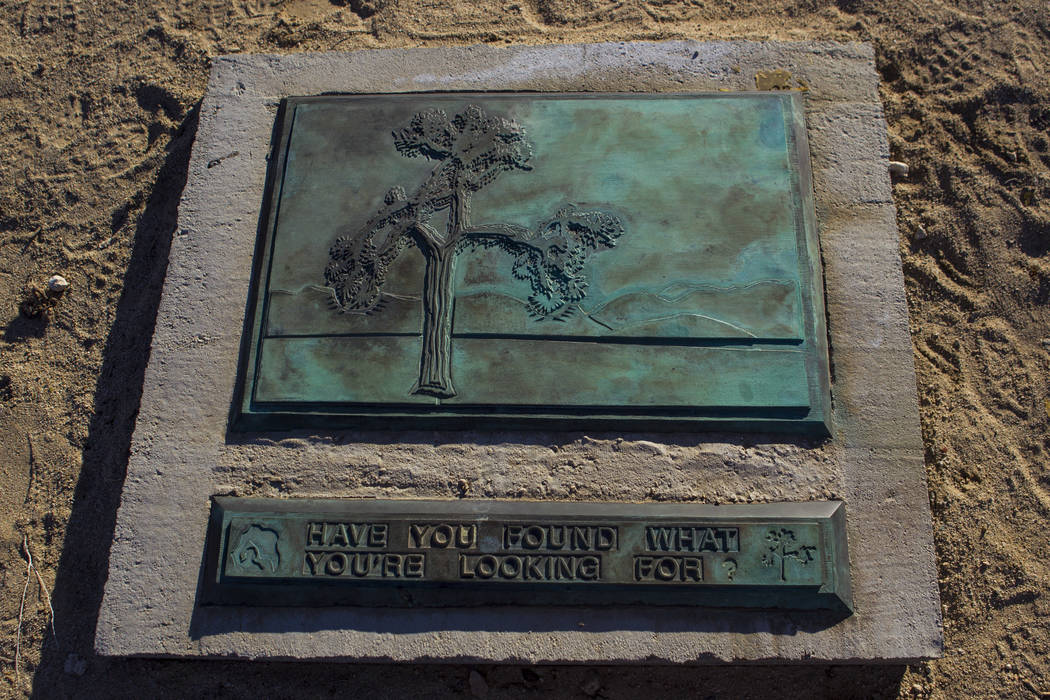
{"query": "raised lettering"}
[(590, 568), (605, 538), (685, 538), (442, 536), (465, 569), (357, 533), (346, 535), (365, 564), (555, 537), (314, 534), (658, 539), (709, 543), (418, 534), (534, 537), (510, 566), (335, 564), (539, 567), (392, 565), (486, 566), (377, 535), (565, 568), (360, 565), (582, 538), (669, 569), (512, 536), (414, 565), (467, 536), (310, 564), (340, 538), (533, 568), (731, 537)]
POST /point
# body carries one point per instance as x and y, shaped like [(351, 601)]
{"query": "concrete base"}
[(182, 454)]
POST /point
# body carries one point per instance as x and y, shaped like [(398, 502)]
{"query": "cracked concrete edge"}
[(179, 451)]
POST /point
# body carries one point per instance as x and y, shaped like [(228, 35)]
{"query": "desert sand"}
[(98, 105)]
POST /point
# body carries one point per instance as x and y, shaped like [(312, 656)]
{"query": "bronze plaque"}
[(318, 552), (557, 260)]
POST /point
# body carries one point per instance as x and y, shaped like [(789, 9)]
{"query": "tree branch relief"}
[(470, 151)]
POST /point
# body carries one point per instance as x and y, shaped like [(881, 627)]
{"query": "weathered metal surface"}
[(559, 258), (463, 553)]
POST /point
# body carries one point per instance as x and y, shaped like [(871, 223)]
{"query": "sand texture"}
[(98, 107)]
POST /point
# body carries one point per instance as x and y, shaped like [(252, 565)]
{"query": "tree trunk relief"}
[(472, 149), (435, 364)]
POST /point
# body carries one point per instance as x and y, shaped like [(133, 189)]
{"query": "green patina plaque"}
[(564, 260), (461, 553)]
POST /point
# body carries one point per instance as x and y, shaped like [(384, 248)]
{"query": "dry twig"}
[(21, 608), (40, 580)]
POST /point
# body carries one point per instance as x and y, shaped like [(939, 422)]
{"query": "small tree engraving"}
[(782, 546), (471, 150)]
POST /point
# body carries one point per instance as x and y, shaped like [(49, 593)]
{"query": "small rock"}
[(898, 169), (57, 284), (75, 665), (478, 687), (920, 232), (917, 688)]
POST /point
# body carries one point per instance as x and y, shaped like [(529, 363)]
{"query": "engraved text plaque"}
[(463, 553)]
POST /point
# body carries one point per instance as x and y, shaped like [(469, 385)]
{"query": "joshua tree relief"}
[(471, 150), (781, 546)]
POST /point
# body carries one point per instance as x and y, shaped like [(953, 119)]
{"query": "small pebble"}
[(920, 232), (57, 284), (917, 688), (898, 169)]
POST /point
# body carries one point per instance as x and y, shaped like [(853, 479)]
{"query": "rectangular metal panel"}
[(538, 259), (317, 552)]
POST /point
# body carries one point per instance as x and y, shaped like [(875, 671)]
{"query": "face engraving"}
[(471, 150)]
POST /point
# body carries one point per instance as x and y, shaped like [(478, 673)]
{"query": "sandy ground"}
[(97, 113)]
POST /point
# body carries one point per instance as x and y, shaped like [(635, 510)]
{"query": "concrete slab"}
[(182, 454)]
